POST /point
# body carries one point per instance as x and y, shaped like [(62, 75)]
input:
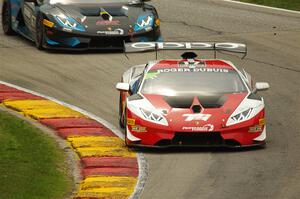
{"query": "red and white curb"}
[(108, 168)]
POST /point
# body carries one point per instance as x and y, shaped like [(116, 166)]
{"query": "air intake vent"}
[(206, 101), (106, 16), (196, 108), (90, 11)]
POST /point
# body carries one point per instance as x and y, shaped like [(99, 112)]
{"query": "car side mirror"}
[(122, 86), (261, 86)]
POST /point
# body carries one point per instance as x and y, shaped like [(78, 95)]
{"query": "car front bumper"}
[(144, 133), (57, 39)]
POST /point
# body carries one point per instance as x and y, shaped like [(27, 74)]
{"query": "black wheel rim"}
[(5, 18)]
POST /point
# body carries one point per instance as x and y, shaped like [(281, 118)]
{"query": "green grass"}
[(31, 164), (287, 4)]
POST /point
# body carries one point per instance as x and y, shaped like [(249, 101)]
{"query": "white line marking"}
[(142, 163), (262, 6)]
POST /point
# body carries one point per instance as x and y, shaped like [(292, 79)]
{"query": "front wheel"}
[(40, 37), (125, 129), (121, 114), (6, 18)]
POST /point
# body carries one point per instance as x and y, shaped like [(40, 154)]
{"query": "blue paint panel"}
[(73, 41), (70, 20), (15, 9), (51, 42), (143, 22)]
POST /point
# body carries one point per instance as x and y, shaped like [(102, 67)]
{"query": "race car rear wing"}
[(156, 46)]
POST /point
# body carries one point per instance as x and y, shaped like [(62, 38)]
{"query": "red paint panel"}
[(109, 162), (59, 123), (112, 171), (4, 89), (17, 96), (84, 132)]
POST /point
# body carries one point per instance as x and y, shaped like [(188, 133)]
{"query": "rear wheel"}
[(6, 18), (40, 36)]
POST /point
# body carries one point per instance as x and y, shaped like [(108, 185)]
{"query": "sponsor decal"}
[(151, 75), (144, 46), (202, 69), (195, 117), (130, 122), (189, 45), (144, 23), (255, 129), (139, 129), (111, 32), (108, 23), (207, 127), (191, 64)]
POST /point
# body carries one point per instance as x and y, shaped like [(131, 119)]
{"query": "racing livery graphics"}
[(81, 24), (206, 102)]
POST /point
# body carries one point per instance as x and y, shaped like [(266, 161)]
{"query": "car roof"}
[(208, 63)]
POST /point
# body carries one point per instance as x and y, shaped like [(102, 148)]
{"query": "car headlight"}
[(240, 117), (153, 117), (144, 22), (69, 23)]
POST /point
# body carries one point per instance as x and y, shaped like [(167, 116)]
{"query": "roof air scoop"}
[(189, 55), (196, 106), (105, 15)]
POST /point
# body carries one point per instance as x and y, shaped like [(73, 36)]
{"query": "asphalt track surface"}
[(87, 80)]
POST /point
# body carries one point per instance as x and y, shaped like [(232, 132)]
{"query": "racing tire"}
[(40, 33), (6, 18), (121, 114)]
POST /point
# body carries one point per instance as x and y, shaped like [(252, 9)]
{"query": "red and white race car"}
[(189, 101)]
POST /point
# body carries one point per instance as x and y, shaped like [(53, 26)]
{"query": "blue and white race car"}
[(81, 24)]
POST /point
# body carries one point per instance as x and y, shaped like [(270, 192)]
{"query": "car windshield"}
[(188, 81), (92, 1)]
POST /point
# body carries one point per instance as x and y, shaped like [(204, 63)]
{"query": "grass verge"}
[(31, 164), (286, 4)]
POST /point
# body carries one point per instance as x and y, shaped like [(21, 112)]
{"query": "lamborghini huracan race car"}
[(189, 101), (81, 24)]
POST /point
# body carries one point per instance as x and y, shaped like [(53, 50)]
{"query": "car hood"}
[(121, 16), (214, 113)]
